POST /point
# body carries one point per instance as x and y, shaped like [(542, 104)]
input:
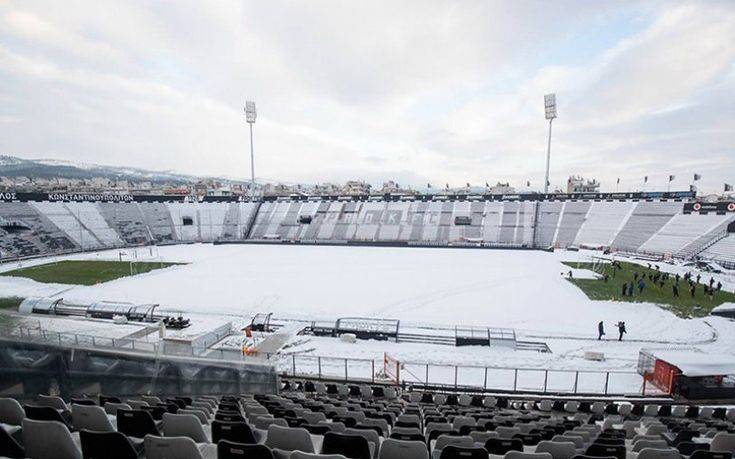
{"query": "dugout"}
[(691, 374), (724, 310)]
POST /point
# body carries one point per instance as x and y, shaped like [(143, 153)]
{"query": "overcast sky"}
[(417, 92)]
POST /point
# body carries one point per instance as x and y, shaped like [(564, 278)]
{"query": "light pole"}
[(250, 115), (550, 108)]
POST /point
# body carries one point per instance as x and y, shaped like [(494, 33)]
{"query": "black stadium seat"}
[(686, 448), (107, 445), (408, 437), (458, 452), (711, 455), (500, 446), (239, 432), (8, 446), (597, 450), (178, 402), (528, 439), (187, 400), (82, 401), (609, 441), (136, 423), (228, 416), (44, 413), (351, 446), (231, 450), (106, 398), (348, 422), (156, 412), (316, 429)]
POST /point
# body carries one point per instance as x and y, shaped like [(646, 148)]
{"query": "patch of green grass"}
[(85, 272), (683, 305), (11, 302)]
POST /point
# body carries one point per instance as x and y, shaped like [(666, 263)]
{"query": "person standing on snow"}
[(621, 330), (600, 330)]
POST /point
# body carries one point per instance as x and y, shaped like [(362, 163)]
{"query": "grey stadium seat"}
[(49, 439), (558, 450), (176, 447), (11, 412), (520, 455), (90, 418), (289, 439), (652, 453), (184, 425), (400, 449)]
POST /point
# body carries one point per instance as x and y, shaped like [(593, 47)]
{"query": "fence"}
[(471, 378), (69, 339), (487, 378)]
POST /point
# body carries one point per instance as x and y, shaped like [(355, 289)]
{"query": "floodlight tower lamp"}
[(550, 111), (250, 115)]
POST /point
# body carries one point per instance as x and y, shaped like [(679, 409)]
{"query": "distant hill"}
[(11, 166)]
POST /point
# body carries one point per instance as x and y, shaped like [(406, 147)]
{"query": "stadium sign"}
[(709, 207), (79, 197)]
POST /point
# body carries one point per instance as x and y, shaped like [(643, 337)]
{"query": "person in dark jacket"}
[(600, 330), (675, 287), (641, 285), (719, 286), (631, 288), (621, 330)]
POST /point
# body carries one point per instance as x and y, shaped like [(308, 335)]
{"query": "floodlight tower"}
[(250, 115), (550, 108)]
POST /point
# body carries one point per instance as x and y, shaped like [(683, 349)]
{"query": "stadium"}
[(154, 303), (431, 297)]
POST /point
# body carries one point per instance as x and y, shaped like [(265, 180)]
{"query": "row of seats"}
[(37, 228), (357, 423), (47, 227)]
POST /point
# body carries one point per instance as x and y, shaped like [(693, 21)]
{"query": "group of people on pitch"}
[(601, 330)]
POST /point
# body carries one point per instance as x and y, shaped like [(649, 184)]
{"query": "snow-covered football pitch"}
[(523, 290)]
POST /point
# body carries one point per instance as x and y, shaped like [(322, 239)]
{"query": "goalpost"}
[(599, 264), (392, 368)]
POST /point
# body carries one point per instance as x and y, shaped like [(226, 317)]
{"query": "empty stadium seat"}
[(350, 446), (232, 450), (9, 446), (49, 439), (289, 439), (108, 445), (400, 449), (136, 423), (500, 446), (463, 452)]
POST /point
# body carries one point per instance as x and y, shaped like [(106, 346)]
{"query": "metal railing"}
[(70, 339), (466, 377)]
